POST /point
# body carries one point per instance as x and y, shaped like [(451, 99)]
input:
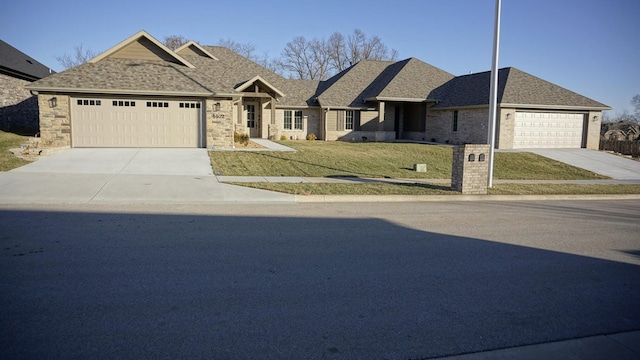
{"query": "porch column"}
[(273, 110), (381, 116)]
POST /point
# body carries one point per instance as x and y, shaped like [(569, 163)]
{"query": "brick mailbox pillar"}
[(470, 170)]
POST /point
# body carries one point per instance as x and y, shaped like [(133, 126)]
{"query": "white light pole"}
[(493, 96)]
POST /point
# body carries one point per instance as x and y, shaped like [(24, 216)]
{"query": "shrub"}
[(311, 137), (283, 137), (241, 138)]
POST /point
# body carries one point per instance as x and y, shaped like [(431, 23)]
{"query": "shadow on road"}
[(130, 285)]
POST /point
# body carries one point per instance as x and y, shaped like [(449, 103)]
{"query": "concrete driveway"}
[(124, 176), (600, 162)]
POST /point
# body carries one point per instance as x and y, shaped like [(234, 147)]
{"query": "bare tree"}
[(635, 101), (319, 59), (336, 49), (245, 49), (80, 56), (304, 59), (173, 42)]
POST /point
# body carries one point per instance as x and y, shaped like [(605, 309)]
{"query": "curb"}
[(453, 198)]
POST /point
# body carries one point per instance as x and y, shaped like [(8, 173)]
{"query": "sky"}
[(591, 47)]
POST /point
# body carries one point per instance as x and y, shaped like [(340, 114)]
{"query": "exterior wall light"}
[(53, 102), (508, 116), (216, 106), (595, 118)]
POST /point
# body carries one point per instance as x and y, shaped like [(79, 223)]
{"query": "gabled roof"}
[(144, 45), (260, 82), (15, 63), (348, 88), (516, 88), (193, 48), (370, 80), (410, 79)]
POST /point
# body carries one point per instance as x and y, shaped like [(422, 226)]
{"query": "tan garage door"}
[(109, 122), (548, 130)]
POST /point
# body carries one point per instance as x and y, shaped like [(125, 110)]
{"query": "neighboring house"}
[(18, 108), (141, 94)]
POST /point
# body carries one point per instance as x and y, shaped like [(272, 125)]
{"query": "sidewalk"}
[(354, 180), (620, 346)]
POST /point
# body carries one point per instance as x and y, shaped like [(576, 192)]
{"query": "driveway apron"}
[(125, 176), (600, 162)]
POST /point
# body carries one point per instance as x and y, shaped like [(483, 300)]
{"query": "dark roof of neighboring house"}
[(15, 63), (515, 87)]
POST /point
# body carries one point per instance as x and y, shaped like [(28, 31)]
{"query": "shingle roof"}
[(515, 87), (366, 81), (18, 64), (348, 88), (125, 75)]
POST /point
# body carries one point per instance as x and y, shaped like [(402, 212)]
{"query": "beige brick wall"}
[(506, 127), (470, 176), (55, 122), (593, 123), (472, 126), (18, 108), (311, 123), (220, 127)]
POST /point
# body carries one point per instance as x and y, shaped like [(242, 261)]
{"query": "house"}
[(18, 108), (142, 94)]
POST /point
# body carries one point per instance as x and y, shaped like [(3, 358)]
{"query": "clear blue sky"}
[(591, 47)]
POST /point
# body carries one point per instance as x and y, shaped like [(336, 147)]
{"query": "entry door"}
[(252, 118)]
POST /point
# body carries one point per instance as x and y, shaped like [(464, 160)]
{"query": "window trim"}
[(349, 119)]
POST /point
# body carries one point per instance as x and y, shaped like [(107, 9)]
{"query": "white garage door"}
[(548, 130), (136, 123)]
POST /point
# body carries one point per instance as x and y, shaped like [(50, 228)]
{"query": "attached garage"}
[(136, 122), (548, 130)]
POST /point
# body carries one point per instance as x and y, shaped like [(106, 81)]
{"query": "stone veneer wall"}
[(220, 125), (55, 125), (470, 177), (18, 108)]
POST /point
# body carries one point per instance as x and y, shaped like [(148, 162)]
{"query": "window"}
[(348, 119), (89, 102), (287, 119), (157, 104), (251, 115), (455, 120), (298, 120), (186, 105), (123, 103), (293, 122)]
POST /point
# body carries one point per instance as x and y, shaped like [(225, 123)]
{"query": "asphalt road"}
[(313, 281)]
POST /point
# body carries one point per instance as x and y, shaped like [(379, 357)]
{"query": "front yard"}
[(395, 161), (8, 141), (382, 160)]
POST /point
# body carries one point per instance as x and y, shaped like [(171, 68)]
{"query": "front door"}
[(252, 118)]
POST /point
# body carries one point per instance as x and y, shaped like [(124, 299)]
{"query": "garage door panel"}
[(136, 125), (548, 130)]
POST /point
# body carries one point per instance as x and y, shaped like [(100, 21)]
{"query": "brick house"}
[(18, 108), (142, 94)]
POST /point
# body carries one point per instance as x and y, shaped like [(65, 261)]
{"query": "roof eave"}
[(551, 107), (398, 99), (116, 91)]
